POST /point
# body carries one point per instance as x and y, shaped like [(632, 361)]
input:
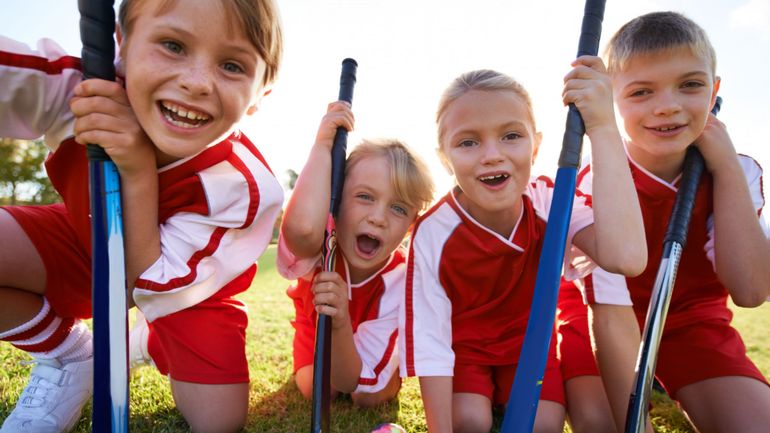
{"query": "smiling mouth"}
[(494, 180), (667, 128), (182, 117)]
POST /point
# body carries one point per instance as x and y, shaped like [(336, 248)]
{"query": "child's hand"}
[(338, 114), (589, 87), (331, 298), (715, 145), (104, 117)]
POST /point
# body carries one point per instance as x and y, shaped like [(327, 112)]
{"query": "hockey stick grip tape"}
[(347, 83), (97, 25), (692, 170), (590, 33)]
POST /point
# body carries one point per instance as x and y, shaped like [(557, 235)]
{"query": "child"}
[(588, 409), (474, 255), (199, 204), (662, 67), (385, 187)]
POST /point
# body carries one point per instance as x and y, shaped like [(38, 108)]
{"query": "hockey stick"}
[(525, 391), (110, 403), (673, 244), (322, 357)]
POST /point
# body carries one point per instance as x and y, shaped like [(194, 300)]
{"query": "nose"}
[(491, 152), (197, 80), (667, 103), (376, 216)]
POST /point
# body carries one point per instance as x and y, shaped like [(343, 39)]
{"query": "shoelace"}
[(37, 390)]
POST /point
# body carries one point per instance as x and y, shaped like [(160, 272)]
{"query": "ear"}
[(538, 138), (717, 83), (254, 107)]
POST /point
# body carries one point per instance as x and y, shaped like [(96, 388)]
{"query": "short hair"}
[(656, 32), (259, 20), (485, 80), (410, 177)]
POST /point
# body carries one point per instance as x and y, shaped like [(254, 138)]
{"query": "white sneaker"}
[(53, 398), (138, 355)]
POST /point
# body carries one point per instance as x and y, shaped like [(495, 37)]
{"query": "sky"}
[(408, 51)]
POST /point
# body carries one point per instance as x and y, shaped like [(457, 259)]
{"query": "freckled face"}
[(188, 79), (372, 220), (488, 142)]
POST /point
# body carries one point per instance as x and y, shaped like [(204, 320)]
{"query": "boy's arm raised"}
[(616, 240), (303, 223), (742, 249)]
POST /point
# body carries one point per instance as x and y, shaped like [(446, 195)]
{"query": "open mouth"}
[(667, 128), (494, 180), (367, 244), (181, 116)]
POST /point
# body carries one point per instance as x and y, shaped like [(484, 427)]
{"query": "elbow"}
[(630, 263), (345, 385), (749, 300)]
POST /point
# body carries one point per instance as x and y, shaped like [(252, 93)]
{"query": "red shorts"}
[(205, 343), (67, 261), (574, 341), (495, 381), (304, 336), (703, 351), (202, 344)]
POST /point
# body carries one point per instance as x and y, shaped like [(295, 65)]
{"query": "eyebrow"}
[(684, 76)]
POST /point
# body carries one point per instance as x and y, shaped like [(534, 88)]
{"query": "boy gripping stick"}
[(664, 81), (385, 187), (473, 256), (199, 204)]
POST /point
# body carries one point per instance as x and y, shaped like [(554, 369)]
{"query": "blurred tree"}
[(22, 176), (291, 176)]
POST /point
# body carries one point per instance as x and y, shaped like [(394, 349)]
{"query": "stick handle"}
[(590, 33), (97, 25), (347, 83), (694, 165)]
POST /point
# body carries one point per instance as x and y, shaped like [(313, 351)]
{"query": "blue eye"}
[(232, 67), (364, 196), (400, 209), (173, 46)]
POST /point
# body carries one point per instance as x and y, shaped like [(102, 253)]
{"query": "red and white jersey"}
[(216, 208), (373, 305), (468, 289), (697, 293)]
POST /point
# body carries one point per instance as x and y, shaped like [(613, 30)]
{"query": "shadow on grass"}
[(286, 411)]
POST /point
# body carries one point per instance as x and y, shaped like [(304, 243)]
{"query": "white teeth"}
[(667, 128), (182, 112), (497, 176)]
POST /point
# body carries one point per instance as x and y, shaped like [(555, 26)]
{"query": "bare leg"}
[(212, 408), (382, 396), (22, 275), (587, 405), (471, 413), (727, 404), (549, 418), (304, 380)]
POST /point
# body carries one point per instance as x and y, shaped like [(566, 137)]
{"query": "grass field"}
[(277, 407)]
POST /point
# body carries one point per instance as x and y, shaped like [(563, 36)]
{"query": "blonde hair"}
[(410, 177), (656, 32), (481, 79), (259, 20)]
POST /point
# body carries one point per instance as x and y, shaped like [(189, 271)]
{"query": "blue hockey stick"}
[(525, 392), (673, 245), (110, 403), (322, 357)]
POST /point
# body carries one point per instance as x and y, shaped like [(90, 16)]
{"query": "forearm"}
[(140, 221), (308, 208), (346, 363), (437, 399), (617, 215), (616, 338), (742, 251)]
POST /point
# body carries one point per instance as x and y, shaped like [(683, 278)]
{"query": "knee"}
[(231, 420), (549, 426), (466, 422), (591, 423)]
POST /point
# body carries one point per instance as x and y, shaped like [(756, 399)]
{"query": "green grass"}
[(275, 403)]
